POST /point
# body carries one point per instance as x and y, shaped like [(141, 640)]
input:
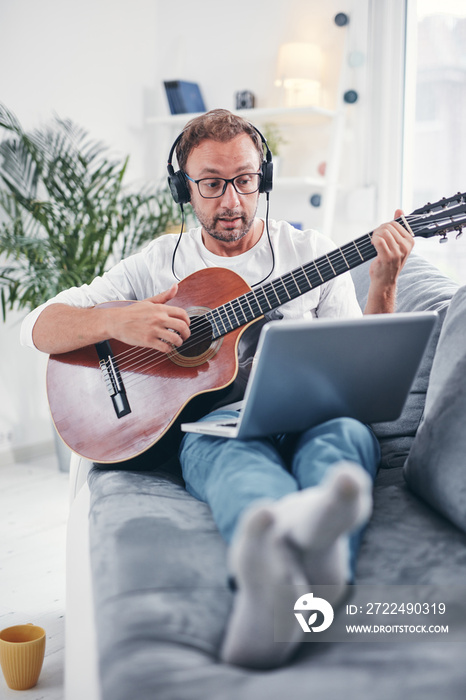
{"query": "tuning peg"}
[(460, 232), (443, 238)]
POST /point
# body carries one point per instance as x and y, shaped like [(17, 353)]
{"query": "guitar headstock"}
[(448, 214)]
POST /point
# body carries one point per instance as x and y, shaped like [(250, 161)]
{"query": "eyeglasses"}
[(212, 187)]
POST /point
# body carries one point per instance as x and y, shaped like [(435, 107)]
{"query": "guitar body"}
[(158, 387)]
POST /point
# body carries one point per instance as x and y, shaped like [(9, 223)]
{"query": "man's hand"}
[(393, 244), (151, 323)]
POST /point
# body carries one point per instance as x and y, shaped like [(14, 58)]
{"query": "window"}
[(435, 133)]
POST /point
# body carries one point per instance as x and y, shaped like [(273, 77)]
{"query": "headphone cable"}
[(272, 252), (270, 242), (177, 244)]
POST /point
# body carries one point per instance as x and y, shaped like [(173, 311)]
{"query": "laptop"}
[(307, 372)]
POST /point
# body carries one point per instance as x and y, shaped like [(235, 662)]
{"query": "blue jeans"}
[(229, 475)]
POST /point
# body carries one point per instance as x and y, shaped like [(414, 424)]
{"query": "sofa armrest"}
[(81, 655), (79, 469)]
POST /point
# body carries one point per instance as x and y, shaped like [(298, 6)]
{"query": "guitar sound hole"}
[(200, 347), (200, 339)]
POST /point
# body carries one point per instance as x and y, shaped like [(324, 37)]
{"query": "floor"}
[(33, 515)]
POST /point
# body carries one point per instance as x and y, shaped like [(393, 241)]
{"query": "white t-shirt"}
[(149, 272)]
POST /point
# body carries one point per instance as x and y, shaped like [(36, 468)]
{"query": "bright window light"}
[(435, 135)]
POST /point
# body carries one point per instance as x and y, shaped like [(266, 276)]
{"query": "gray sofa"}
[(158, 564)]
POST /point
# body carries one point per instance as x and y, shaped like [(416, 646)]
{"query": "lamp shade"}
[(299, 69), (298, 61)]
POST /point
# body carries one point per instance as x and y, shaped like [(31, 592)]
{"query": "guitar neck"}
[(255, 303)]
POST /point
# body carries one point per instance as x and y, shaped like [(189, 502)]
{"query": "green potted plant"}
[(274, 137), (275, 140), (65, 212)]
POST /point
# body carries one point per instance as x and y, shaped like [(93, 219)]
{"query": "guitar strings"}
[(334, 258), (151, 358), (331, 256), (143, 357)]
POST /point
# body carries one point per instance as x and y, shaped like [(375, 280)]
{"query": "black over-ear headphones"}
[(179, 185)]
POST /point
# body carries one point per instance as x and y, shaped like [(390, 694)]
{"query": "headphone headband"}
[(177, 180)]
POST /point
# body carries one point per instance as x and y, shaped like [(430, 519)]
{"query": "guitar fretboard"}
[(258, 301)]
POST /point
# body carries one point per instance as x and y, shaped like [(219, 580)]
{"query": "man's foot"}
[(318, 521), (300, 540), (261, 560)]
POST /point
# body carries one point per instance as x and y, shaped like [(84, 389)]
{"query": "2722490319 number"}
[(405, 608)]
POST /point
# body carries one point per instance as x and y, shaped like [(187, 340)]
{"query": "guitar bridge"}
[(112, 378)]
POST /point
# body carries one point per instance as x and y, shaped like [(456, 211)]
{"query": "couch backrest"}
[(421, 287)]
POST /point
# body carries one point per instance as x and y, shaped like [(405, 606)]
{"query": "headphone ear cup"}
[(178, 186), (267, 177)]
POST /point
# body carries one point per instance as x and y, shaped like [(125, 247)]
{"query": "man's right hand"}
[(151, 323)]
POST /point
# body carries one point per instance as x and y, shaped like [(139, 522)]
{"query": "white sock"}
[(300, 540), (261, 560), (318, 520)]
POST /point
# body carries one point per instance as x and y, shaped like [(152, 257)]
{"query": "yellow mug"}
[(22, 650)]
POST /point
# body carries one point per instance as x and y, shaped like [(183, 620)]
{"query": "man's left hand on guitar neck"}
[(393, 244)]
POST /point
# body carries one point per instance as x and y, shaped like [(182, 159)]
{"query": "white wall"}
[(25, 423), (102, 63), (88, 60)]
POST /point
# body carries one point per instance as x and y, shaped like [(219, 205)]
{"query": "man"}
[(287, 503)]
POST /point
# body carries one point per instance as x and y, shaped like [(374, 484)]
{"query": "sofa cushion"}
[(436, 466), (421, 287)]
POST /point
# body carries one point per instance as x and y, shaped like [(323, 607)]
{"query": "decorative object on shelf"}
[(275, 140), (356, 59), (350, 97), (322, 168), (245, 99), (274, 137), (184, 97), (341, 19), (299, 70)]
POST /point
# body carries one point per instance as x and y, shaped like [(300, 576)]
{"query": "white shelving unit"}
[(327, 186), (256, 114)]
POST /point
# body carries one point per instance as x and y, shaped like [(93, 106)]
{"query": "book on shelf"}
[(184, 97)]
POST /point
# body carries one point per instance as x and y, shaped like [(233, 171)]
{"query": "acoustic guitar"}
[(111, 402)]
